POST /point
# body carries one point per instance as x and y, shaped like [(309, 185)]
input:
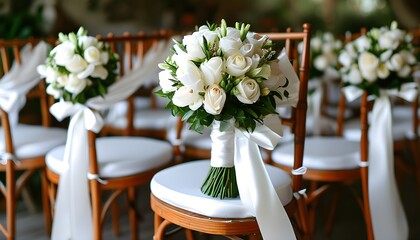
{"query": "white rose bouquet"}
[(79, 67), (224, 74), (381, 59)]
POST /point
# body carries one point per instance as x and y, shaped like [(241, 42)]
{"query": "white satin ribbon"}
[(73, 214), (255, 187), (21, 78), (388, 217)]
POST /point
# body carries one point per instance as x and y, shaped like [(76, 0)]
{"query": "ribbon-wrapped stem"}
[(221, 178)]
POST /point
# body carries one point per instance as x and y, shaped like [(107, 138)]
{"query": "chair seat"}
[(146, 119), (180, 185), (321, 153), (34, 140), (120, 156)]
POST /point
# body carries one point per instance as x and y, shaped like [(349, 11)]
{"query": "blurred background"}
[(23, 18)]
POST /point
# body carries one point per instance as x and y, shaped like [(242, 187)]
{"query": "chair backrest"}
[(297, 119), (132, 49), (11, 54)]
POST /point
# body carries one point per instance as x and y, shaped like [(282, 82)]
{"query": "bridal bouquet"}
[(381, 59), (79, 67), (222, 75)]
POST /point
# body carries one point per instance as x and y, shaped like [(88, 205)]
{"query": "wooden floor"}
[(348, 223)]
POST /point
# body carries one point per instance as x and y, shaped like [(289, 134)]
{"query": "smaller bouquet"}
[(381, 59), (79, 67)]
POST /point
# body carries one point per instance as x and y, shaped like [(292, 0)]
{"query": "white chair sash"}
[(73, 213), (21, 78), (388, 217), (255, 187)]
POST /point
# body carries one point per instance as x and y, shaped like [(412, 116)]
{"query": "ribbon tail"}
[(73, 213), (388, 217), (257, 192)]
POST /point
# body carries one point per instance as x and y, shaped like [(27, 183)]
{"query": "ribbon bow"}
[(255, 187), (383, 192)]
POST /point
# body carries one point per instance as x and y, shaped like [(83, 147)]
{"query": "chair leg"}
[(333, 209), (96, 209), (133, 212), (10, 200), (45, 202), (415, 153), (115, 218)]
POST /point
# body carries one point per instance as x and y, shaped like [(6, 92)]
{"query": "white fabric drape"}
[(388, 217), (21, 78), (255, 187), (72, 216)]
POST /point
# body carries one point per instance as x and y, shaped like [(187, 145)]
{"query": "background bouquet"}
[(79, 67), (381, 59), (225, 75)]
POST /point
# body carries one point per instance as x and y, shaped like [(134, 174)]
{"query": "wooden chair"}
[(142, 114), (185, 178), (23, 145), (332, 162), (121, 163)]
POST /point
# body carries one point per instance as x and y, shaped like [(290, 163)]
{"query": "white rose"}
[(185, 96), (350, 49), (354, 76), (276, 78), (204, 31), (257, 42), (386, 55), (75, 85), (383, 71), (92, 55), (255, 61), (321, 63), (368, 64), (52, 75), (248, 91), (247, 50), (362, 43), (76, 64), (189, 75), (345, 59), (166, 81), (316, 44), (180, 56), (104, 57), (237, 65), (214, 99), (231, 42), (87, 41), (212, 70), (64, 52), (100, 72), (408, 57), (397, 62), (193, 47), (56, 93)]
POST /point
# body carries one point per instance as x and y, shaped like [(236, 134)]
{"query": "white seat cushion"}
[(120, 156), (34, 141), (321, 153), (180, 185), (146, 119)]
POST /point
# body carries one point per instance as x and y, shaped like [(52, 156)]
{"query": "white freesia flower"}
[(205, 32), (193, 46), (185, 96), (350, 49), (100, 72), (190, 75), (248, 91), (237, 65), (397, 62), (386, 55), (408, 57), (64, 52), (104, 57), (388, 40), (76, 64), (316, 44), (214, 99), (56, 93), (362, 43), (383, 71), (92, 55), (276, 79), (212, 70), (231, 43), (87, 41), (166, 81), (75, 85), (247, 50), (62, 80), (345, 59), (354, 76), (404, 72), (87, 72)]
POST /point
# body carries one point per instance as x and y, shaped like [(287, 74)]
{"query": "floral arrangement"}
[(79, 67), (225, 74), (381, 59), (324, 53)]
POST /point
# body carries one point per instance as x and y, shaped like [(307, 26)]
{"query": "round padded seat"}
[(120, 156), (180, 185), (321, 153)]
